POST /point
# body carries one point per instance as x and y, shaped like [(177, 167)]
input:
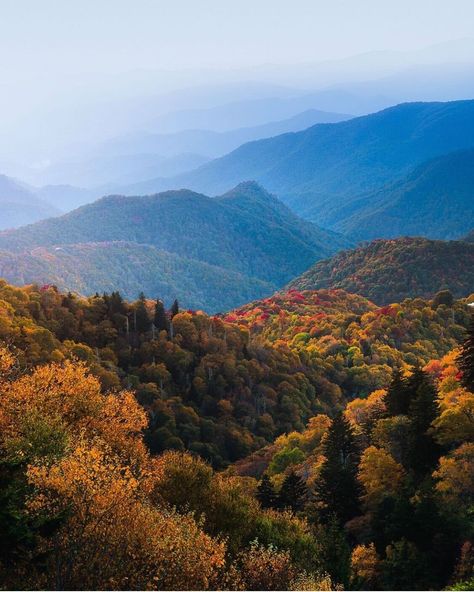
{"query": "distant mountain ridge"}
[(435, 200), (387, 271), (337, 163), (19, 205), (246, 233)]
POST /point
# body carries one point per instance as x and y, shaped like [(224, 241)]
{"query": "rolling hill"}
[(387, 271), (247, 236), (326, 164)]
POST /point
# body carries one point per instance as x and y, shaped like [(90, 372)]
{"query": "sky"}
[(58, 36), (58, 55)]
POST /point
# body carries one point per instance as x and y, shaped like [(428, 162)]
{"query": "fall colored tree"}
[(379, 474), (365, 567), (466, 358)]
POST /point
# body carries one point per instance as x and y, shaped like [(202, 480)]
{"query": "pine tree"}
[(466, 359), (293, 493), (160, 320), (174, 308), (396, 399), (337, 486), (142, 320), (422, 412), (266, 493)]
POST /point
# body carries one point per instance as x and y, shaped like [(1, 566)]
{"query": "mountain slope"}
[(311, 169), (387, 271), (246, 233), (19, 205), (435, 200), (131, 269)]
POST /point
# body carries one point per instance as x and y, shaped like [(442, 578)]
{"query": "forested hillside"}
[(225, 386), (435, 200), (388, 271), (257, 243), (109, 410), (100, 267)]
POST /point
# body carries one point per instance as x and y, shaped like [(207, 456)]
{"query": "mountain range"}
[(246, 242), (140, 155), (320, 172)]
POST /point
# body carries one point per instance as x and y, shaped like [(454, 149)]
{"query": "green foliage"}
[(210, 253)]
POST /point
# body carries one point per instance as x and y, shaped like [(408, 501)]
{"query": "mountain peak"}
[(250, 192)]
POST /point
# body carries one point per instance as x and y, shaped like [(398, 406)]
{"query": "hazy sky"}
[(44, 36), (58, 57)]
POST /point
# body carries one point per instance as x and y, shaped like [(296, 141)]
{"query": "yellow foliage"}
[(379, 474), (67, 395), (113, 537), (361, 412), (365, 563), (455, 475)]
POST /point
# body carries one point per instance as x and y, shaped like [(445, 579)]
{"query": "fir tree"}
[(292, 493), (174, 309), (337, 486), (396, 399), (466, 359), (160, 320), (266, 493), (142, 320), (422, 412)]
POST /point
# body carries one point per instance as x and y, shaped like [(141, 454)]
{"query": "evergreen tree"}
[(337, 486), (396, 399), (443, 297), (466, 359), (266, 493), (160, 319), (423, 411), (334, 551), (142, 320), (116, 304), (174, 308), (292, 493)]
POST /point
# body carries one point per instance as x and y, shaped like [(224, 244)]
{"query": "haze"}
[(76, 73)]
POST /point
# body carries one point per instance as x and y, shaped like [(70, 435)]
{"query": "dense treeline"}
[(377, 494), (350, 341)]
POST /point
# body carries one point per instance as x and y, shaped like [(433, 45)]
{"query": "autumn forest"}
[(312, 440)]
